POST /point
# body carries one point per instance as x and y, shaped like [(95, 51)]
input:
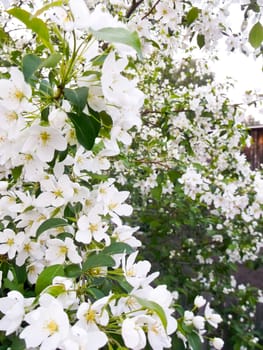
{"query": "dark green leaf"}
[(178, 344), (95, 293), (30, 64), (51, 223), (256, 35), (105, 119), (46, 277), (86, 127), (153, 306), (72, 270), (16, 172), (200, 40), (45, 114), (192, 15), (119, 35), (194, 341), (18, 344), (98, 260), (118, 248), (77, 97), (35, 24)]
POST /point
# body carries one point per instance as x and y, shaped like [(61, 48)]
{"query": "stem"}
[(151, 10)]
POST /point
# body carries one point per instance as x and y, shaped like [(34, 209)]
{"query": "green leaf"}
[(256, 35), (178, 344), (87, 129), (119, 35), (72, 270), (95, 293), (18, 344), (192, 15), (46, 88), (118, 248), (52, 60), (16, 172), (35, 24), (153, 306), (30, 63), (46, 277), (50, 223), (194, 341), (77, 97), (200, 40), (48, 6), (97, 260), (55, 290)]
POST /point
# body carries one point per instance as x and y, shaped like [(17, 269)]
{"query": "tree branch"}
[(151, 10), (133, 7)]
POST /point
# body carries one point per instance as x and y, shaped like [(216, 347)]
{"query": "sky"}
[(246, 71)]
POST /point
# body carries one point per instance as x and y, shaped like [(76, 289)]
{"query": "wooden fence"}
[(254, 153)]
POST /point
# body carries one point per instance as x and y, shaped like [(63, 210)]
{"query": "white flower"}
[(79, 338), (132, 334), (43, 141), (57, 118), (58, 250), (10, 242), (217, 343), (28, 249), (136, 273), (199, 301), (188, 317), (211, 317), (90, 315), (33, 271), (47, 326), (199, 322), (15, 92), (91, 226), (12, 307), (55, 193)]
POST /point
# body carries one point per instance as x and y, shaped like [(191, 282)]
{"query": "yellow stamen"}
[(44, 137), (90, 315), (52, 327)]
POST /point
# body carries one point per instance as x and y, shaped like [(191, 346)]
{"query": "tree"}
[(89, 110)]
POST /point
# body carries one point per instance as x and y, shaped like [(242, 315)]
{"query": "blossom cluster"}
[(75, 78), (69, 275)]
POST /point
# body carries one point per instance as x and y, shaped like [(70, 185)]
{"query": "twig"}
[(151, 9), (133, 7)]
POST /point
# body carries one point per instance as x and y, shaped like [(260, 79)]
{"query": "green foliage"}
[(46, 277), (119, 35), (87, 128), (35, 24), (51, 223), (256, 35)]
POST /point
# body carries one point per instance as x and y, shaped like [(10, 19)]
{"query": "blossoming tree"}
[(75, 78)]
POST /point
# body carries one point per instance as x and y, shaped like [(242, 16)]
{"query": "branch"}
[(133, 7), (151, 10)]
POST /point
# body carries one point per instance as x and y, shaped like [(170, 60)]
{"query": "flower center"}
[(63, 249), (19, 95), (52, 327), (44, 137), (10, 241), (93, 228), (90, 315)]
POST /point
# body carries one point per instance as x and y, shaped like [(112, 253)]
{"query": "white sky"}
[(245, 70)]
